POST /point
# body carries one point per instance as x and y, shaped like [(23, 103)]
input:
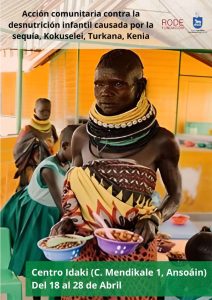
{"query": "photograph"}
[(106, 150)]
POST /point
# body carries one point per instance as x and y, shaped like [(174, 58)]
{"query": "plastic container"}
[(179, 219), (115, 247), (176, 256), (61, 254)]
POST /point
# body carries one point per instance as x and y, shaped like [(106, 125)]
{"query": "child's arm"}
[(48, 177), (54, 133)]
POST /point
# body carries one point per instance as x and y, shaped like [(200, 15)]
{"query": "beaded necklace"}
[(125, 131)]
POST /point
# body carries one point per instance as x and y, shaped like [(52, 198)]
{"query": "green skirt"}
[(28, 222)]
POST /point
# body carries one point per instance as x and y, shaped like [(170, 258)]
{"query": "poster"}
[(51, 49)]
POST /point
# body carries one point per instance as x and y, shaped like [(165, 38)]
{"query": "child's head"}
[(42, 109), (199, 247), (65, 142)]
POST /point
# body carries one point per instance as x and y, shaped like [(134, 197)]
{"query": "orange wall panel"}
[(8, 87), (87, 64), (8, 169), (195, 103), (35, 85), (191, 66), (161, 70), (62, 87)]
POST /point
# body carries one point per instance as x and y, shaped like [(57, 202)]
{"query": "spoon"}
[(104, 225), (54, 241)]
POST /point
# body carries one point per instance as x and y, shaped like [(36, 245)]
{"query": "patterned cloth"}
[(32, 146), (118, 191)]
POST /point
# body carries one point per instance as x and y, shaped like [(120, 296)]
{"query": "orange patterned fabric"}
[(91, 252), (118, 191)]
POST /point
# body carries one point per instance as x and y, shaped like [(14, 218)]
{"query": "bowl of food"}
[(176, 255), (124, 242), (179, 219), (164, 246), (62, 247)]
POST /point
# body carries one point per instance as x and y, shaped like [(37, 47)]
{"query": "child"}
[(199, 247), (35, 142), (31, 212)]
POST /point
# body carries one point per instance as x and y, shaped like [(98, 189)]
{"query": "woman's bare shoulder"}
[(80, 131), (79, 137), (164, 136), (167, 142)]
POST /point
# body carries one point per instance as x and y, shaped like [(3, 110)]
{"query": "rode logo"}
[(173, 23)]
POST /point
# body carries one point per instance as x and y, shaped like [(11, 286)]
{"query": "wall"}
[(62, 87), (8, 87), (195, 92), (194, 105), (8, 184), (35, 85)]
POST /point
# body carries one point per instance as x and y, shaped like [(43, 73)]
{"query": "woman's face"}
[(115, 92)]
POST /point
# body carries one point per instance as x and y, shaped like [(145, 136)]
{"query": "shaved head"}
[(122, 60)]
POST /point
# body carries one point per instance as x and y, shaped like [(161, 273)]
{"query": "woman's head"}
[(199, 247), (42, 109), (122, 60), (118, 81)]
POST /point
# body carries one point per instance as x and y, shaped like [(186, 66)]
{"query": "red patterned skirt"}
[(91, 252)]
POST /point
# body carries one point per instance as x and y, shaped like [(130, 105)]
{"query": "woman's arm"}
[(167, 163), (168, 166)]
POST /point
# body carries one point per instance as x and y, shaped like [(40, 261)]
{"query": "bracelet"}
[(155, 217)]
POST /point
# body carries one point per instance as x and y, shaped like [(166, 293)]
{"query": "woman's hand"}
[(147, 229), (64, 226)]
